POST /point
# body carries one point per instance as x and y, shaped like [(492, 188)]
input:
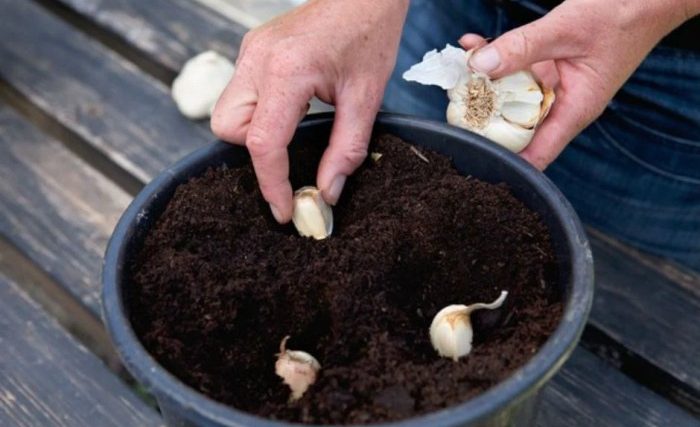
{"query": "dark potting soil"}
[(218, 284)]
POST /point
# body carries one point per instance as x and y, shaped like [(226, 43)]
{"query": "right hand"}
[(340, 51)]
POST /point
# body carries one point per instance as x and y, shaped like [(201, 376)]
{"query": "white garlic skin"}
[(200, 83), (312, 216), (451, 331), (297, 369)]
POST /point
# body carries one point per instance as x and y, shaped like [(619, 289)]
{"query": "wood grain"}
[(105, 100), (47, 379), (169, 31), (55, 208), (648, 313), (589, 392)]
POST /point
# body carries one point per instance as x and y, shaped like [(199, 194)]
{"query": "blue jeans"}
[(634, 173)]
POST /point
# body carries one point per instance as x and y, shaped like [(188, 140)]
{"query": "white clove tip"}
[(312, 216), (451, 331)]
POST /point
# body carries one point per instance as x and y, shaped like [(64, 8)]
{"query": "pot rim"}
[(543, 365)]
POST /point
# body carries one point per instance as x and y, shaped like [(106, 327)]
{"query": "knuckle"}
[(222, 128), (520, 44), (256, 142), (355, 153), (247, 39)]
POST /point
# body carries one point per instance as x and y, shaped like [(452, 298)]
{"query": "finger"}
[(271, 129), (234, 110), (347, 149), (564, 122), (471, 41), (546, 73), (575, 107), (543, 39)]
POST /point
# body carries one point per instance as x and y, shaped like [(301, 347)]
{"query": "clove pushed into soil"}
[(218, 284)]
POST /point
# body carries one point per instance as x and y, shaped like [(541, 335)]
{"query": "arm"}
[(593, 46), (340, 51)]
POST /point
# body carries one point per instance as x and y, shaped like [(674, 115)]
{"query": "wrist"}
[(651, 20), (692, 8), (666, 15)]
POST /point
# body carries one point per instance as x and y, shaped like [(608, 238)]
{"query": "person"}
[(633, 168)]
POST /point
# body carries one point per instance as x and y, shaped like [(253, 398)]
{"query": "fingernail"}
[(485, 59), (334, 190), (276, 213)]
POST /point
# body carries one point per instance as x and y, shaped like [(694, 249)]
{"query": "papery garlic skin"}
[(451, 331), (200, 83), (312, 216), (297, 369), (505, 110)]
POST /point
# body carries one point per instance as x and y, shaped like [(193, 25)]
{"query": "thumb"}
[(347, 148), (540, 40)]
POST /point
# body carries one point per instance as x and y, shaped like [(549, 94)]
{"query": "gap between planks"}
[(71, 140), (112, 41), (684, 277), (639, 369), (53, 298)]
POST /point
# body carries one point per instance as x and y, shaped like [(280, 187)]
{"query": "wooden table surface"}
[(86, 120)]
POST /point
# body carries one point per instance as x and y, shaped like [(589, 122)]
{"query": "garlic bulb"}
[(451, 330), (312, 216), (298, 369), (200, 83), (505, 110)]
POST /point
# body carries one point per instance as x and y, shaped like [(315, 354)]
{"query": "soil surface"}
[(218, 284)]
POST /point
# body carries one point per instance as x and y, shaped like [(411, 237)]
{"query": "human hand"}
[(588, 47), (343, 53)]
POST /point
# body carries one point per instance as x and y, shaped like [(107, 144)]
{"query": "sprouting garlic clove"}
[(312, 216), (297, 369), (451, 331), (505, 110), (200, 83)]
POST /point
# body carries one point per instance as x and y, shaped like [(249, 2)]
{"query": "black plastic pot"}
[(512, 402)]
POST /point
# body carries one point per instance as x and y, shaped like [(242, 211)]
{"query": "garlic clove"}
[(200, 83), (547, 102), (524, 114), (451, 332), (297, 369), (456, 111), (312, 216), (520, 81), (509, 135)]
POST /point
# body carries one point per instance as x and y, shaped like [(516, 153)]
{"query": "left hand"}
[(591, 47)]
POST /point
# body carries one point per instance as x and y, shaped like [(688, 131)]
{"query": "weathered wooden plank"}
[(590, 392), (168, 31), (675, 273), (250, 13), (650, 315), (105, 100), (54, 207), (187, 28), (48, 379)]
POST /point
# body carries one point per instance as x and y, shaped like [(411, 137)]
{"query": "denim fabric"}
[(635, 172)]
